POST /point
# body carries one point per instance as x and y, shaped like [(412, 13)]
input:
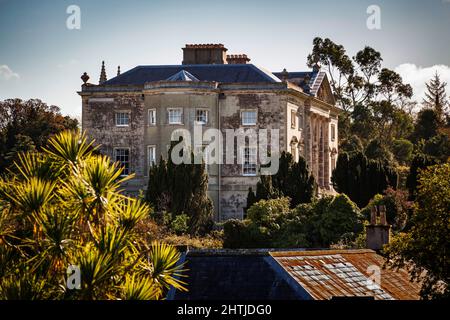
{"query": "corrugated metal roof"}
[(325, 274), (224, 73)]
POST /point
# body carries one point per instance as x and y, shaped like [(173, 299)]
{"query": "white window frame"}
[(293, 119), (169, 110), (151, 162), (152, 117), (116, 118), (126, 170), (206, 111), (246, 165), (244, 118)]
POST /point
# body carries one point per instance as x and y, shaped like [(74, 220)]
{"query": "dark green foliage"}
[(438, 147), (251, 199), (271, 223), (426, 126), (361, 178), (376, 150), (181, 189), (402, 150), (419, 162), (26, 126), (292, 180), (398, 208)]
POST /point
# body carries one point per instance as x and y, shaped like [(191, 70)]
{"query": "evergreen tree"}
[(292, 180), (181, 189), (427, 125), (436, 97), (251, 199), (360, 178)]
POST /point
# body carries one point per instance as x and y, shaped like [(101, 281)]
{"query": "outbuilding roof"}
[(327, 274)]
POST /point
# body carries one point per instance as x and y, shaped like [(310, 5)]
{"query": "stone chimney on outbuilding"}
[(204, 54), (237, 59), (378, 232)]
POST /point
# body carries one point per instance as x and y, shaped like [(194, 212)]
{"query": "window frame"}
[(150, 111), (175, 109), (126, 169), (249, 163), (206, 115), (293, 119), (149, 162), (116, 117), (249, 111)]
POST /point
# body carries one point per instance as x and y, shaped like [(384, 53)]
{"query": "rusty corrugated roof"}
[(325, 274)]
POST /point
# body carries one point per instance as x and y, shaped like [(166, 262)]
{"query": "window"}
[(201, 116), (122, 155), (293, 118), (152, 117), (122, 119), (333, 132), (175, 116), (300, 121), (249, 161), (248, 118), (151, 153)]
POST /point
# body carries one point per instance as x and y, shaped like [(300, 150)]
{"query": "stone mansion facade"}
[(133, 115)]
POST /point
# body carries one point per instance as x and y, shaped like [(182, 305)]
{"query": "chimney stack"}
[(204, 54), (237, 59), (378, 233)]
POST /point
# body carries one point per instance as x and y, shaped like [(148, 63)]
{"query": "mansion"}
[(133, 115)]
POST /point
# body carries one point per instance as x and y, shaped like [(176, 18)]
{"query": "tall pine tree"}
[(436, 97)]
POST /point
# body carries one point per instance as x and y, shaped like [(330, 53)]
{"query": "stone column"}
[(321, 151), (326, 157)]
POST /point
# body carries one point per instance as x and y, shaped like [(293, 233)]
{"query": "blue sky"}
[(41, 58)]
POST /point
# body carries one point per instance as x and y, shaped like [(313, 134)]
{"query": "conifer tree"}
[(436, 97)]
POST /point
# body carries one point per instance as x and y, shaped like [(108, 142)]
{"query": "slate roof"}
[(326, 274), (183, 75), (312, 86), (224, 73), (233, 277)]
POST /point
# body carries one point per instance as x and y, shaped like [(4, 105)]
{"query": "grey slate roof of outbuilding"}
[(224, 73)]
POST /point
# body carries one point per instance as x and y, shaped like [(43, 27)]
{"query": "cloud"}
[(6, 73), (417, 76)]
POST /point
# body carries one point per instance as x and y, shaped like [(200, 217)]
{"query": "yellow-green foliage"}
[(64, 207)]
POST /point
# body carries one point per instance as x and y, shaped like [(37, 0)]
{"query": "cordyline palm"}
[(64, 207)]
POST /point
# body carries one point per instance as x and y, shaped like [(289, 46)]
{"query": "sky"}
[(40, 57)]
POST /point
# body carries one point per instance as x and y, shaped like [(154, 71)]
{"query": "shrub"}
[(179, 225)]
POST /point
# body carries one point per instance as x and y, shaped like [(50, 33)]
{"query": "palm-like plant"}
[(64, 207)]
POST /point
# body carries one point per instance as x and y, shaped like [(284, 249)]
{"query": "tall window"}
[(300, 121), (122, 155), (248, 118), (175, 116), (249, 161), (201, 116), (293, 118), (152, 117), (151, 153), (333, 132), (122, 119)]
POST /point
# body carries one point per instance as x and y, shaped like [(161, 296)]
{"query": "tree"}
[(181, 189), (427, 125), (402, 150), (360, 178), (292, 180), (419, 162), (423, 250), (436, 97), (26, 126), (376, 150), (63, 207)]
